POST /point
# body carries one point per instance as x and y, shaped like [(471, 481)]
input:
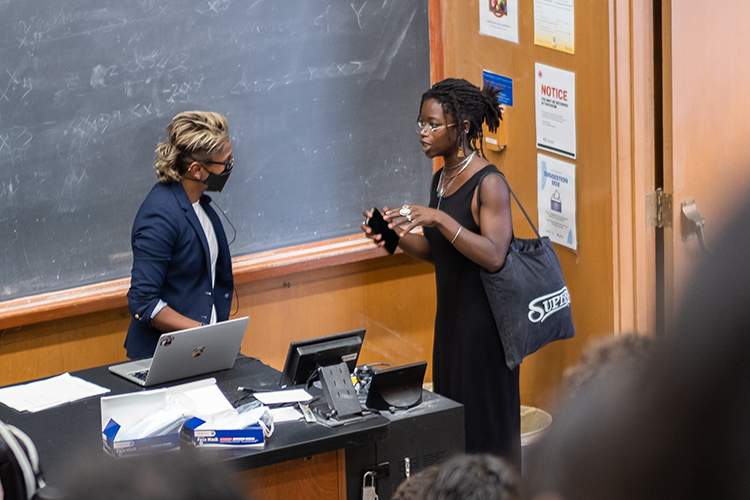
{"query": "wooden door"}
[(706, 114)]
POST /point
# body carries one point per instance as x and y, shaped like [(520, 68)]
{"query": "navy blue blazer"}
[(171, 262)]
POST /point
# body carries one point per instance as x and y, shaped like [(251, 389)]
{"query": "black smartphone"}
[(380, 226)]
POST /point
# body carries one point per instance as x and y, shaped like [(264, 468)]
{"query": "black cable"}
[(234, 237), (221, 211), (311, 377)]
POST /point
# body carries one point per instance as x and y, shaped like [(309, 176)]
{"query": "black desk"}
[(426, 434), (419, 437), (65, 432)]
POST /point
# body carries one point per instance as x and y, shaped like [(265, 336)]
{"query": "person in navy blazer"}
[(182, 269)]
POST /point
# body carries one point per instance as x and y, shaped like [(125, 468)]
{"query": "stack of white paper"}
[(48, 393), (287, 413)]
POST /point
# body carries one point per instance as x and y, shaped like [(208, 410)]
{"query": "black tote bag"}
[(528, 296)]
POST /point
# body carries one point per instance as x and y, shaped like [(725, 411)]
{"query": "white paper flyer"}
[(556, 200), (555, 110), (499, 18), (554, 25)]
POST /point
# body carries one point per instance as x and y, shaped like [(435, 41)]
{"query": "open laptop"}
[(187, 353)]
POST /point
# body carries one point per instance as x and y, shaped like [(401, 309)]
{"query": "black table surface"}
[(64, 434)]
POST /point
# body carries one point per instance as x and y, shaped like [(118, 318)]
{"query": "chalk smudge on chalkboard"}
[(98, 75), (117, 258), (71, 191)]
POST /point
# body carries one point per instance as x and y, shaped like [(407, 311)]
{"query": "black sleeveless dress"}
[(468, 360)]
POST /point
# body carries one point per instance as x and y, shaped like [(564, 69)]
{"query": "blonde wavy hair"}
[(192, 135)]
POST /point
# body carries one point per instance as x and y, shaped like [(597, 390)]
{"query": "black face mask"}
[(216, 182)]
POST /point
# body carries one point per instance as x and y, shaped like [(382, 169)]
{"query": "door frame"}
[(634, 163)]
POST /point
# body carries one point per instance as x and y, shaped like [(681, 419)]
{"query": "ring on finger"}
[(405, 211)]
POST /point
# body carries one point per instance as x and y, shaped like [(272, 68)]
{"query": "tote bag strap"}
[(502, 176)]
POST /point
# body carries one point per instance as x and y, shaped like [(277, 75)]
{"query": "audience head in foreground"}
[(415, 487), (676, 426), (472, 477), (604, 354), (163, 476)]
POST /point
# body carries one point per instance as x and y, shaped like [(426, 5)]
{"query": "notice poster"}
[(556, 200), (555, 110), (499, 18), (554, 25)]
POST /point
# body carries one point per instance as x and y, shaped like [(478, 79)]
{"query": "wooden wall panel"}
[(395, 304), (392, 297), (53, 347), (310, 477), (589, 273)]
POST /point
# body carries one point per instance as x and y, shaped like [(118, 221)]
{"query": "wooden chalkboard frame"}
[(112, 294)]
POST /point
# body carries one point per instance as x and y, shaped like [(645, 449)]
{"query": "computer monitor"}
[(305, 356)]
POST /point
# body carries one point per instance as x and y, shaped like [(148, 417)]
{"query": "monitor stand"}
[(339, 392)]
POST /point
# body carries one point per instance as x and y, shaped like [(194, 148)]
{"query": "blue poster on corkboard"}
[(503, 83)]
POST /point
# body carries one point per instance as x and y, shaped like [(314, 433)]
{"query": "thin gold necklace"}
[(462, 164), (441, 190)]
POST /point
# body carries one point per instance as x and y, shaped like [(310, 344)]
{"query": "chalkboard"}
[(321, 97)]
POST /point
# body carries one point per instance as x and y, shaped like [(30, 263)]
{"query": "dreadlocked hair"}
[(463, 100), (191, 135)]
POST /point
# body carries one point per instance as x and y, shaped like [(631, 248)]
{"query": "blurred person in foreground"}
[(161, 476), (415, 486), (603, 354), (464, 477), (677, 426)]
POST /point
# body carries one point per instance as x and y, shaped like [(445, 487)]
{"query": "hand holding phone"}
[(380, 226)]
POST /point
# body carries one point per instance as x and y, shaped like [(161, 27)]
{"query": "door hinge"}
[(659, 209)]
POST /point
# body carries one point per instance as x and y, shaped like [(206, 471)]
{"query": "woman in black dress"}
[(459, 239)]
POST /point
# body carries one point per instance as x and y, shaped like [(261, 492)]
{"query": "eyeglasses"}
[(420, 126), (228, 165)]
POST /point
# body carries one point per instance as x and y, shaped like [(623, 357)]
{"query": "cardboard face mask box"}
[(123, 414), (200, 433)]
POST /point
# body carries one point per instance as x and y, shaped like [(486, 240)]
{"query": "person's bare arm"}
[(169, 320), (488, 248)]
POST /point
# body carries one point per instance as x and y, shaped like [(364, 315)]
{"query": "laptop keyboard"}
[(140, 374)]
